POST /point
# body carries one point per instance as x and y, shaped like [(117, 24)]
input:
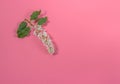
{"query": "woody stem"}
[(29, 22)]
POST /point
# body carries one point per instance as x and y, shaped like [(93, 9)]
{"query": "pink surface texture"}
[(86, 33)]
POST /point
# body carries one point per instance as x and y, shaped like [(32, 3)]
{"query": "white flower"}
[(45, 34), (51, 50), (35, 33), (39, 28), (44, 37), (40, 34)]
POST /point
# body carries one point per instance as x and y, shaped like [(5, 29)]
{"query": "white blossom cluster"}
[(44, 37)]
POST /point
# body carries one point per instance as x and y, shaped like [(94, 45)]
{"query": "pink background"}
[(87, 35)]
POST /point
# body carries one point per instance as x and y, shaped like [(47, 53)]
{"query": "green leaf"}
[(23, 33), (35, 15), (23, 30), (41, 21), (22, 25)]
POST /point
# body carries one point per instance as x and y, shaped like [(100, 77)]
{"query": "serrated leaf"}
[(22, 25), (23, 30), (23, 33), (42, 21), (35, 15)]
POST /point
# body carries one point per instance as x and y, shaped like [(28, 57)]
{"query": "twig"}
[(29, 22)]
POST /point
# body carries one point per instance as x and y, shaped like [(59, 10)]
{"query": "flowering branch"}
[(24, 30)]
